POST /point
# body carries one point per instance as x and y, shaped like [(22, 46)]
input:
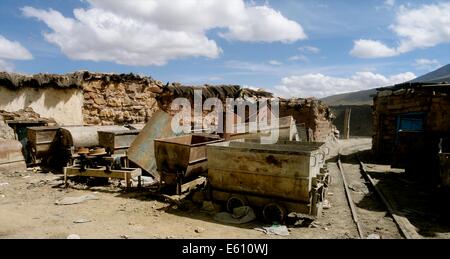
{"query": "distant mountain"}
[(438, 76), (364, 97), (353, 98)]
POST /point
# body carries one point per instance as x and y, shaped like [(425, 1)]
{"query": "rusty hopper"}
[(40, 142), (280, 178), (182, 158), (117, 142)]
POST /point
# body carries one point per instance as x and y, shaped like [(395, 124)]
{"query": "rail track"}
[(406, 229)]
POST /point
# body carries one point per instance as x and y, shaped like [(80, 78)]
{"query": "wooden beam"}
[(348, 113), (406, 228), (124, 174)]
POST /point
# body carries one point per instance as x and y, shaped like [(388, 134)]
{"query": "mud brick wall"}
[(311, 112), (118, 99), (387, 107)]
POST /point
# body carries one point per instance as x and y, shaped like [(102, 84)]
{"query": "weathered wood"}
[(406, 228), (347, 116), (350, 200), (124, 174)]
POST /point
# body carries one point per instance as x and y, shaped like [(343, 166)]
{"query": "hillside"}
[(353, 98), (364, 97), (438, 76)]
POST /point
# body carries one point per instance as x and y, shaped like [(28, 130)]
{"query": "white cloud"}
[(423, 27), (298, 58), (371, 49), (13, 50), (320, 85), (152, 32), (6, 66), (275, 63), (309, 49), (426, 64), (263, 24), (417, 28), (389, 3), (262, 67)]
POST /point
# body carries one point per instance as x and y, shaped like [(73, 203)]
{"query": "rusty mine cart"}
[(183, 158), (279, 178)]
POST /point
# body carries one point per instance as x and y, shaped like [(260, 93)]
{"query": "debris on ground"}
[(3, 184), (73, 236), (36, 183), (373, 236), (209, 207), (199, 230), (279, 230), (241, 215), (75, 200), (326, 204), (81, 221), (314, 225), (125, 237)]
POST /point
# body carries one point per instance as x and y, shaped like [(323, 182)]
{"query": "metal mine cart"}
[(279, 178), (180, 159)]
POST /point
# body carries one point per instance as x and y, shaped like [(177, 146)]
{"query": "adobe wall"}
[(64, 105)]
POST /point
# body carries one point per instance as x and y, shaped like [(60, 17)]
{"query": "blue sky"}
[(294, 48)]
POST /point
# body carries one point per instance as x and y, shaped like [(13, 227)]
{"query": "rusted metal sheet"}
[(11, 157), (288, 172), (184, 155), (117, 142), (141, 151), (286, 127), (40, 140), (85, 136)]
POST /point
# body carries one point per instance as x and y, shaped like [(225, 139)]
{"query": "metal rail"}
[(349, 198)]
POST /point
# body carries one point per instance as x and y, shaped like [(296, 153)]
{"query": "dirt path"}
[(28, 210)]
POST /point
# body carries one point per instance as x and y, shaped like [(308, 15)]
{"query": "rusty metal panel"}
[(285, 170), (117, 141), (40, 140), (142, 150), (183, 154)]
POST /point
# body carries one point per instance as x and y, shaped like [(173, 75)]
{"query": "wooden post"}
[(347, 116)]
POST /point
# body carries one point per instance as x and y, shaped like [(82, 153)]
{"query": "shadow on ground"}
[(414, 196)]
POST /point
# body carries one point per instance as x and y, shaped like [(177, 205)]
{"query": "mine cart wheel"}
[(274, 212), (236, 201)]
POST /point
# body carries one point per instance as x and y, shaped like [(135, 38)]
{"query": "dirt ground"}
[(28, 210)]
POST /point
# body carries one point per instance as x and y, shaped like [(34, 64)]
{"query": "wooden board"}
[(124, 174)]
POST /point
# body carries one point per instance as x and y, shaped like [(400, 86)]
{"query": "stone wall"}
[(110, 100)]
